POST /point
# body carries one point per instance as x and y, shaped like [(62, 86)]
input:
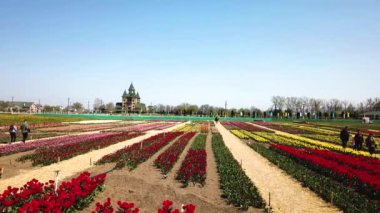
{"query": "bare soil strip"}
[(286, 194)]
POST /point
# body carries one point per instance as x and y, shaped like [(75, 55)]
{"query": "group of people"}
[(358, 140), (24, 130)]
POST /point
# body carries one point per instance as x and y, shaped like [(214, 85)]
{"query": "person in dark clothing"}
[(12, 133), (344, 136), (216, 119), (358, 140), (370, 144), (25, 131)]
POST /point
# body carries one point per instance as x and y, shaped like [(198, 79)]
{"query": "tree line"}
[(320, 108), (282, 107)]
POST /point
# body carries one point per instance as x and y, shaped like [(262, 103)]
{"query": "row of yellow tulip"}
[(327, 138), (255, 137), (244, 134), (324, 145), (239, 134), (283, 140)]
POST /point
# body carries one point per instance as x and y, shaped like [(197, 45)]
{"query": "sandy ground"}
[(146, 187), (286, 194), (74, 165)]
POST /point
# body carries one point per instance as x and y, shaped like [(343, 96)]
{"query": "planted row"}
[(236, 185), (35, 196), (244, 126), (124, 207), (127, 151), (51, 153), (363, 181), (141, 155), (298, 141), (239, 134), (145, 127), (332, 191), (193, 167), (67, 139), (167, 159)]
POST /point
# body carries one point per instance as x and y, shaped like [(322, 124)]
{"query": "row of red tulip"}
[(124, 207), (362, 180), (124, 153), (51, 154), (35, 196), (143, 154), (370, 165), (193, 167), (166, 160)]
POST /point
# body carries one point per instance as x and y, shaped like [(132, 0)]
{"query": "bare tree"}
[(110, 107), (78, 107), (276, 101), (98, 103)]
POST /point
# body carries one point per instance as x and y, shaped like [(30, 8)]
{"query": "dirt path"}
[(74, 165), (287, 195)]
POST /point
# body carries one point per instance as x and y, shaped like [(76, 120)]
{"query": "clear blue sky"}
[(189, 51)]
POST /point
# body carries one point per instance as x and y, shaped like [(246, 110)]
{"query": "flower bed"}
[(332, 191), (283, 128), (68, 149), (124, 207), (255, 137), (37, 125), (38, 197), (245, 126), (236, 185), (239, 134), (141, 155), (167, 159), (331, 164), (193, 167), (313, 130), (127, 151), (370, 165), (324, 138), (144, 127), (298, 141), (80, 127), (21, 147)]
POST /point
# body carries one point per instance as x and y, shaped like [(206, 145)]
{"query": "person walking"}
[(358, 140), (25, 130), (12, 133), (370, 144), (344, 136)]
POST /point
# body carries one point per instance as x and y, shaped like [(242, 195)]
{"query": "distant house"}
[(130, 102), (24, 106)]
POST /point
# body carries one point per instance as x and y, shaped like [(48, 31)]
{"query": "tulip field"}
[(173, 166), (315, 157)]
